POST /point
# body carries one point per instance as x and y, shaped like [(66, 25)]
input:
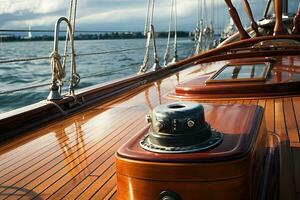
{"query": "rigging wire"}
[(175, 58), (147, 18), (77, 55), (166, 55), (67, 35), (47, 84), (150, 32), (107, 73), (63, 31), (199, 29)]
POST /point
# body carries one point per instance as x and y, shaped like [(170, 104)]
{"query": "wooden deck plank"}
[(78, 132), (86, 169), (59, 178), (39, 170), (50, 184), (262, 103), (254, 101), (296, 157), (290, 120), (104, 190), (14, 151), (296, 106), (247, 101), (61, 143), (36, 144), (286, 159), (112, 195), (270, 115), (98, 184), (77, 190), (280, 127)]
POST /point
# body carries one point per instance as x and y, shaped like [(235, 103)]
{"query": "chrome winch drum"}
[(179, 128)]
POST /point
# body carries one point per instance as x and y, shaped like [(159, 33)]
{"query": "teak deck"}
[(73, 158)]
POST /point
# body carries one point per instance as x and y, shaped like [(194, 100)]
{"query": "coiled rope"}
[(58, 72)]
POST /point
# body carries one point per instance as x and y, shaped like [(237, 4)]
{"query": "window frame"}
[(259, 79)]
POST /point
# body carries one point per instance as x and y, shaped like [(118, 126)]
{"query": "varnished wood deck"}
[(73, 158)]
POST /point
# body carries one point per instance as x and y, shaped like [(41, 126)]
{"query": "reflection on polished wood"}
[(74, 157), (282, 79)]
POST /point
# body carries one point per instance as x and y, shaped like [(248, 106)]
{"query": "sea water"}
[(97, 68)]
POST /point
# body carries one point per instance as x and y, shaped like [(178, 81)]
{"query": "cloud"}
[(108, 14), (30, 6)]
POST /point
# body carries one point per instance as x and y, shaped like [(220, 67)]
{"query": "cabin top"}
[(271, 76)]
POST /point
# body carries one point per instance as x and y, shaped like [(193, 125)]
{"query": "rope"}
[(149, 30), (144, 66), (67, 36), (58, 73), (147, 18), (75, 78), (166, 55), (57, 106), (155, 54)]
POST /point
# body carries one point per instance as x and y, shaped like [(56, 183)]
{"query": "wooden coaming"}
[(282, 79), (73, 157)]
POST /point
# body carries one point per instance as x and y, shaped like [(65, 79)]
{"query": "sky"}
[(110, 14)]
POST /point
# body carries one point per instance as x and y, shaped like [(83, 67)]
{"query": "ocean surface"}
[(96, 68)]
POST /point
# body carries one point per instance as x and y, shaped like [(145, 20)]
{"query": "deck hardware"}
[(58, 68), (159, 125), (54, 92), (179, 128), (148, 119), (190, 123), (169, 195)]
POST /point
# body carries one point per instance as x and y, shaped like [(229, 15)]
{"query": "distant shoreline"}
[(105, 36)]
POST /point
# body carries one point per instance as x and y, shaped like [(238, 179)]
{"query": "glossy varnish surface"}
[(239, 129), (74, 157), (283, 79)]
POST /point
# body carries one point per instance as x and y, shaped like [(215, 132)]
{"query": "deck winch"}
[(179, 128)]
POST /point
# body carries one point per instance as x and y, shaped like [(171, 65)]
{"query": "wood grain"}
[(73, 157)]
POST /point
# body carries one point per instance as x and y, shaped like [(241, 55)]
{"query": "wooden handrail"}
[(296, 28), (254, 25), (236, 19), (278, 28)]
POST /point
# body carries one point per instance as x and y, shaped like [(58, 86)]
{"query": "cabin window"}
[(240, 73)]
